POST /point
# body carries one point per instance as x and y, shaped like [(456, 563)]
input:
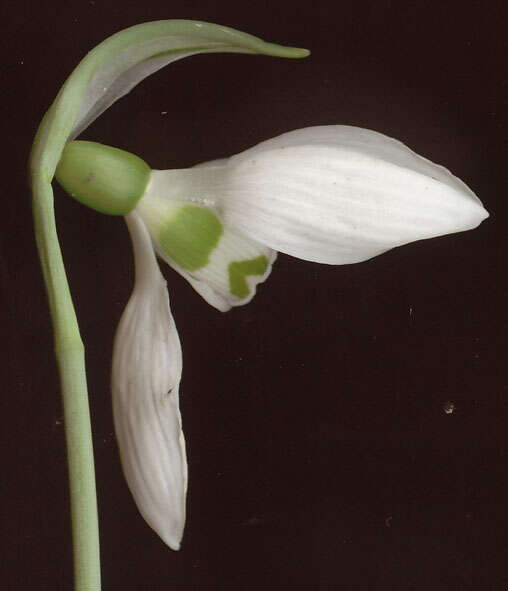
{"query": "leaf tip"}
[(282, 51)]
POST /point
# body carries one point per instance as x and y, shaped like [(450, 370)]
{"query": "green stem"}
[(71, 362)]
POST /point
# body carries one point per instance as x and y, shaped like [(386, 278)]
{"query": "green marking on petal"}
[(239, 270), (190, 236)]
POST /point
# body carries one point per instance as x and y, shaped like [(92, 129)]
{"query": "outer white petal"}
[(147, 365), (332, 194), (341, 194)]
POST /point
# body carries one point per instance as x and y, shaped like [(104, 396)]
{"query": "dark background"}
[(320, 453)]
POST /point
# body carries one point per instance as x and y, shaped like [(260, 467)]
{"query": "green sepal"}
[(106, 179)]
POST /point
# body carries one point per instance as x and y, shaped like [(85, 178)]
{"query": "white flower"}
[(328, 194), (333, 194)]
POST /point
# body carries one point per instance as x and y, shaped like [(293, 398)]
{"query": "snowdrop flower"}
[(333, 194)]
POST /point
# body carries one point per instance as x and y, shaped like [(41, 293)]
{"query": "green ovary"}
[(104, 178), (238, 271), (190, 236)]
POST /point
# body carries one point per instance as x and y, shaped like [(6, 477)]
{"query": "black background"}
[(320, 454)]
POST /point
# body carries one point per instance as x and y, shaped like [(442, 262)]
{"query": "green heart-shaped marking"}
[(239, 270)]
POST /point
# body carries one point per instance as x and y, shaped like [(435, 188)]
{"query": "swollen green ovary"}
[(189, 236), (104, 178)]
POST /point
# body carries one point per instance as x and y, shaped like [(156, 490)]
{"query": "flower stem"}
[(71, 363)]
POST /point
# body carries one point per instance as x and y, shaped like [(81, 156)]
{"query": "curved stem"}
[(71, 363)]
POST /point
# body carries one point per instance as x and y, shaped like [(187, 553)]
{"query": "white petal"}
[(340, 194), (147, 365), (364, 141), (230, 266), (333, 194), (213, 282)]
